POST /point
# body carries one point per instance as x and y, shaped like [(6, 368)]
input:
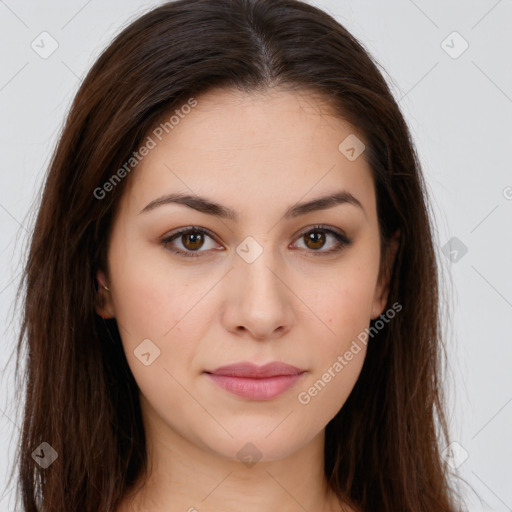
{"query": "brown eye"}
[(314, 240), (317, 238), (192, 240)]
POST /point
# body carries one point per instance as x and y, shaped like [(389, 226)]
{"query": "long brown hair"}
[(382, 450)]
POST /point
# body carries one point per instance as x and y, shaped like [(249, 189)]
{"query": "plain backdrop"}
[(449, 66)]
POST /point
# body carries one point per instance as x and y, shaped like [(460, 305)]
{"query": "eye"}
[(316, 238), (191, 239)]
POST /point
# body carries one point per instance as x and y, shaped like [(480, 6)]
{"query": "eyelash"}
[(342, 240)]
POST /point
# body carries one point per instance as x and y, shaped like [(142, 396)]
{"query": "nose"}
[(259, 304)]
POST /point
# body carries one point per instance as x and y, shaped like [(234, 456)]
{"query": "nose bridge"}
[(260, 303), (256, 267)]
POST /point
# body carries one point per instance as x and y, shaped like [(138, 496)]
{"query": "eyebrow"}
[(210, 207)]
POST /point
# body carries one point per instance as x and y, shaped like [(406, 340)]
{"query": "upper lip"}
[(250, 370)]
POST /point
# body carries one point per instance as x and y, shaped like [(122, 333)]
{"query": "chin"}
[(253, 445)]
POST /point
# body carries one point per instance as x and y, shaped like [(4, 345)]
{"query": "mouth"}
[(254, 382)]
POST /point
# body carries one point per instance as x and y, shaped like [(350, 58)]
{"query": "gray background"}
[(458, 106)]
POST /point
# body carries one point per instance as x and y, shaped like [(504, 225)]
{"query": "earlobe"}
[(382, 289), (104, 305)]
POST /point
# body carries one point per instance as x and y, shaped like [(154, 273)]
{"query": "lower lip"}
[(256, 389)]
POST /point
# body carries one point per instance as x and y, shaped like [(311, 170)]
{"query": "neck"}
[(184, 477)]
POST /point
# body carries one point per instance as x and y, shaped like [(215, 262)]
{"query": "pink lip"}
[(256, 382)]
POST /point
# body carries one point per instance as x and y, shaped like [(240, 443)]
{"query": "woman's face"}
[(262, 284)]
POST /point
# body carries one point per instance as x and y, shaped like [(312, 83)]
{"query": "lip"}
[(254, 382)]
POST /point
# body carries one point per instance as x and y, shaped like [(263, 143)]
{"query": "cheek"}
[(345, 301), (325, 392), (147, 307), (149, 293), (161, 316), (340, 353), (344, 305), (174, 308), (153, 303)]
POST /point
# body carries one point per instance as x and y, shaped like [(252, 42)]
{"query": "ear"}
[(104, 303), (380, 297)]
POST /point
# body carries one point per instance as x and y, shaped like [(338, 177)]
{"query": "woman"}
[(231, 291)]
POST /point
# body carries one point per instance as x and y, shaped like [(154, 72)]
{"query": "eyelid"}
[(188, 229), (321, 227), (191, 228), (341, 238)]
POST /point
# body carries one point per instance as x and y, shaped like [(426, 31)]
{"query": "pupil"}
[(316, 239), (196, 240)]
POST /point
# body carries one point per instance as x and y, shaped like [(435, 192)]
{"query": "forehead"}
[(242, 145), (228, 119)]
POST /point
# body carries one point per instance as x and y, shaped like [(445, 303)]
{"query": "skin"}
[(257, 154)]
